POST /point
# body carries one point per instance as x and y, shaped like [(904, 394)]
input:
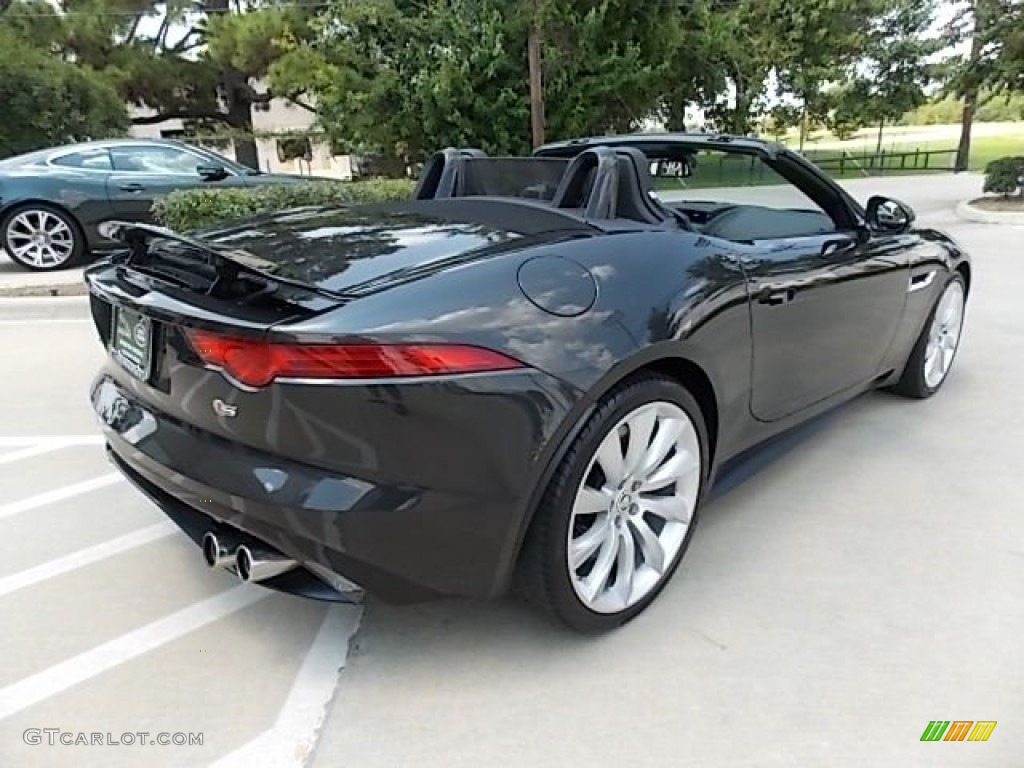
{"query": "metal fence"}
[(881, 163), (719, 169)]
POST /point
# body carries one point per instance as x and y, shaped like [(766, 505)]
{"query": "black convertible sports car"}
[(528, 375), (53, 201)]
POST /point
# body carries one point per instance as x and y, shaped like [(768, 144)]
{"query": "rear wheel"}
[(40, 237), (620, 509), (932, 357)]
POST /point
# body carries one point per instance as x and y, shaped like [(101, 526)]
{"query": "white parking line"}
[(56, 679), (84, 557), (292, 738), (28, 453), (61, 440), (59, 494)]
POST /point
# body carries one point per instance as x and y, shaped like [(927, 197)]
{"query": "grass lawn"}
[(907, 150), (985, 149), (989, 141)]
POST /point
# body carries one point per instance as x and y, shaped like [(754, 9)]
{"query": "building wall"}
[(280, 117)]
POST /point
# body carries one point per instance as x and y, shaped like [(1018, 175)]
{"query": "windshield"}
[(216, 158)]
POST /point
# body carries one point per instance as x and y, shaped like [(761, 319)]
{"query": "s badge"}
[(224, 410)]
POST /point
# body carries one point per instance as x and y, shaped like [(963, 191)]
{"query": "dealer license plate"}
[(131, 342)]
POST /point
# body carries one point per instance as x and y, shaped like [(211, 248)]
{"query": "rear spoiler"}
[(227, 262)]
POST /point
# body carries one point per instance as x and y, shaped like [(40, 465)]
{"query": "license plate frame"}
[(131, 341)]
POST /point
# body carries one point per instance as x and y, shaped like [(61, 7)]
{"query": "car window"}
[(737, 197), (91, 159), (155, 159)]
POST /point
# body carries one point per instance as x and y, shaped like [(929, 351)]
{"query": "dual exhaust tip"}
[(252, 561)]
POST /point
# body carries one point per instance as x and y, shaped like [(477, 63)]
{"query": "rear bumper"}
[(401, 542)]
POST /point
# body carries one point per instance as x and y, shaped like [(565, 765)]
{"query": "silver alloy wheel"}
[(944, 334), (40, 238), (633, 508)]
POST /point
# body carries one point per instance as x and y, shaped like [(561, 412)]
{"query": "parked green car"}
[(52, 201)]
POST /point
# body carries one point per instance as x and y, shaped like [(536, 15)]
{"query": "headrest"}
[(590, 183), (441, 174)]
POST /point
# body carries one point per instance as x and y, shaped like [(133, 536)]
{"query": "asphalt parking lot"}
[(869, 579)]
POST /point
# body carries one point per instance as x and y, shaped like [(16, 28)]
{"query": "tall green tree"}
[(50, 102), (893, 71), (966, 76), (405, 78), (606, 63), (995, 29), (195, 60), (409, 77), (819, 41), (724, 53)]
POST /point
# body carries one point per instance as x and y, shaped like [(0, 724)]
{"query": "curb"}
[(43, 290), (969, 212), (44, 308)]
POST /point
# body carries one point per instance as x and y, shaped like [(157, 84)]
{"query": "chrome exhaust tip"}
[(219, 551), (255, 563)]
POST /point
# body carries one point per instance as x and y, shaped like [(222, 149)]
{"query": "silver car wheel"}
[(40, 238), (944, 335), (633, 508)]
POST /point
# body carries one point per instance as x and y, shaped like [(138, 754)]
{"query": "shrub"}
[(1003, 176), (190, 209)]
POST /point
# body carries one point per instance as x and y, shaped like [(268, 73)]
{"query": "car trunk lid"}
[(150, 300)]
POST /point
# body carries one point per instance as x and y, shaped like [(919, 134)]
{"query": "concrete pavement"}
[(110, 623)]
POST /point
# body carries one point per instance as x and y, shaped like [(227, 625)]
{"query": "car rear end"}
[(400, 466)]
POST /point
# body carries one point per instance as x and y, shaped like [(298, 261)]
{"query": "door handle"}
[(920, 282), (833, 248), (132, 187), (775, 295)]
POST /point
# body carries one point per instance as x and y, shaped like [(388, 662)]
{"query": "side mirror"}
[(884, 214), (211, 172)]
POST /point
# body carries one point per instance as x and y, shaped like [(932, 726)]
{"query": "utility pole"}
[(533, 44)]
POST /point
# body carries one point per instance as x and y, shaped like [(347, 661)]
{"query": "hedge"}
[(1003, 176), (190, 209)]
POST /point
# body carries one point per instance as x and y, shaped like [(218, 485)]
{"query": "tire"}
[(573, 596), (920, 378), (61, 242)]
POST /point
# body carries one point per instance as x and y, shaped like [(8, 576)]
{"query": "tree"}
[(818, 43), (241, 48), (724, 53), (893, 72), (409, 77), (1006, 38), (729, 51), (995, 29), (606, 63), (50, 102), (202, 61), (405, 79)]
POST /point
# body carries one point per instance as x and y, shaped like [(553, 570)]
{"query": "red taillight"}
[(256, 363)]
